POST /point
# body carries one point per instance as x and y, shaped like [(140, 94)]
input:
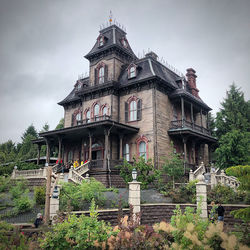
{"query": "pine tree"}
[(232, 129)]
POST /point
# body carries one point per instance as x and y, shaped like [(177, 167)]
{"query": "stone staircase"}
[(214, 176)]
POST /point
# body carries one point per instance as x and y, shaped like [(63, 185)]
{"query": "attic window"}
[(79, 86), (124, 43), (132, 71), (101, 41)]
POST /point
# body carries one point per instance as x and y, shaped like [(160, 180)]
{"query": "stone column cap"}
[(134, 182)]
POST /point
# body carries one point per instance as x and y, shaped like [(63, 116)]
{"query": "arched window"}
[(133, 111), (78, 116), (143, 150), (126, 152), (101, 41), (132, 71), (105, 111), (88, 116), (124, 43), (96, 112), (101, 75)]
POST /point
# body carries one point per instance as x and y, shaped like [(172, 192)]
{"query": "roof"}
[(113, 36)]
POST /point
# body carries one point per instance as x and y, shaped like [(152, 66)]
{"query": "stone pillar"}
[(213, 178), (182, 112), (223, 179), (193, 148), (47, 201), (106, 148), (38, 154), (134, 198), (121, 142), (13, 175), (191, 175), (54, 205), (201, 195)]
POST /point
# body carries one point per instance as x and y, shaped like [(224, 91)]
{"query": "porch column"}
[(106, 148), (83, 150), (192, 115), (185, 152), (193, 148), (47, 151), (59, 149), (38, 153), (182, 112), (90, 147), (121, 142), (201, 119), (209, 153), (207, 121)]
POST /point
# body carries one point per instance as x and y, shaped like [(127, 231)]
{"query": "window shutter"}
[(139, 107), (105, 73), (96, 76), (72, 120), (126, 112)]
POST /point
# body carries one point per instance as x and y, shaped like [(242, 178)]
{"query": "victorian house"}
[(130, 107)]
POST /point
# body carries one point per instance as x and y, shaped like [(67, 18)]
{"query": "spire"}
[(110, 17)]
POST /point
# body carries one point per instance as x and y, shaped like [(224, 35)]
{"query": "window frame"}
[(126, 152), (101, 41), (132, 74), (139, 140), (101, 74)]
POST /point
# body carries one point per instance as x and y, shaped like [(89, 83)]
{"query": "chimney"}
[(191, 77), (152, 55)]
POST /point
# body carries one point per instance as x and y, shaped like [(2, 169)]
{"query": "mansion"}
[(127, 108)]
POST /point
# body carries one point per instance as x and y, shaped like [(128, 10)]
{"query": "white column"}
[(201, 195), (54, 205), (191, 175), (134, 198)]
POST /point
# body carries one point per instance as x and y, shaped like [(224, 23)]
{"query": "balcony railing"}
[(182, 124), (94, 119)]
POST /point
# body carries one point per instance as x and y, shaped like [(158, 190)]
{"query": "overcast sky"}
[(42, 44)]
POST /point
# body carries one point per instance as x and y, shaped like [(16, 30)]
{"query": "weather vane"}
[(110, 17)]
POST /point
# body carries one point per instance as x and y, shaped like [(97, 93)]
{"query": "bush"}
[(81, 195), (78, 233), (23, 204), (19, 188), (4, 183), (40, 195), (147, 174)]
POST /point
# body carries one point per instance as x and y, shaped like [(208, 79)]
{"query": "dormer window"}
[(132, 71), (124, 43), (101, 41), (101, 75), (79, 86)]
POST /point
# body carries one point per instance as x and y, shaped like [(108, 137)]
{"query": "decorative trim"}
[(141, 138)]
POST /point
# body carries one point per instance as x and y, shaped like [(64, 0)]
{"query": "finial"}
[(110, 17)]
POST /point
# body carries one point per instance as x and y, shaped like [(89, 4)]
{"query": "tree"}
[(173, 166), (60, 125), (30, 131), (232, 129), (211, 123), (45, 128)]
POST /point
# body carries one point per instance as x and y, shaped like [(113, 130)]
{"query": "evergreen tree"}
[(45, 128), (30, 131), (232, 129), (60, 125), (211, 123)]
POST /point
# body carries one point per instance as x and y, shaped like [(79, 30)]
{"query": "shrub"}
[(40, 193), (19, 188), (81, 195), (78, 233), (4, 183), (23, 204), (147, 174)]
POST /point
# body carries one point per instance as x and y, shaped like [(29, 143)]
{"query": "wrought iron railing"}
[(181, 124), (94, 119)]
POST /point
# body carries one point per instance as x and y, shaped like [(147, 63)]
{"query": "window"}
[(78, 116), (143, 150), (96, 112), (88, 116), (101, 75), (124, 43), (105, 111), (101, 41), (133, 111), (132, 72), (79, 86), (126, 152)]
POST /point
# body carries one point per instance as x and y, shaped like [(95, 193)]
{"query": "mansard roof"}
[(113, 37), (73, 95)]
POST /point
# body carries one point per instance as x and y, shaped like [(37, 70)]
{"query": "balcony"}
[(184, 125), (94, 119)]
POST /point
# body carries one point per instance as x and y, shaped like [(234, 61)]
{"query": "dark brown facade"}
[(130, 107)]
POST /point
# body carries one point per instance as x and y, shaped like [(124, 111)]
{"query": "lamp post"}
[(134, 174)]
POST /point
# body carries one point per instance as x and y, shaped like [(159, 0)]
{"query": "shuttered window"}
[(133, 111)]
